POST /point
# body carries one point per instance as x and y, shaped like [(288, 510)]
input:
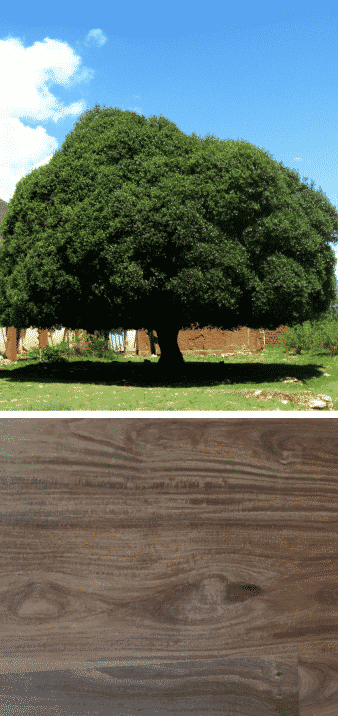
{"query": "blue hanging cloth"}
[(116, 340)]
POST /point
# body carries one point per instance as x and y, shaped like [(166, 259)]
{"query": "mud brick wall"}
[(214, 340), (273, 336), (197, 341), (210, 340)]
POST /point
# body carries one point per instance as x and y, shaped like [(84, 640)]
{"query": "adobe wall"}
[(273, 336), (211, 340), (195, 341)]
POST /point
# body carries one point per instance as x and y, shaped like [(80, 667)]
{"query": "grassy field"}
[(279, 379)]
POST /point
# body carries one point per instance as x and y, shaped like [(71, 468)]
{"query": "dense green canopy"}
[(134, 223)]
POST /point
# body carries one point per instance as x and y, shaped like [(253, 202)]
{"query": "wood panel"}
[(201, 551)]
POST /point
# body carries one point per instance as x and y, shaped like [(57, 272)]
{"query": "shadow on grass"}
[(143, 374)]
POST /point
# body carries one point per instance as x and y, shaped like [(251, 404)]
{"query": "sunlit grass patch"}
[(281, 378)]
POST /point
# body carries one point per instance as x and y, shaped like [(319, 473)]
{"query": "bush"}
[(318, 335), (97, 345), (54, 354), (297, 338), (94, 345), (325, 335)]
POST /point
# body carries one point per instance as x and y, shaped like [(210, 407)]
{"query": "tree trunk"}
[(152, 340), (171, 360)]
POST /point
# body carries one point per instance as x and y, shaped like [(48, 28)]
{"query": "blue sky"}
[(262, 72)]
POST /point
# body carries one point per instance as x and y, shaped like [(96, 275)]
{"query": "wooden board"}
[(201, 551)]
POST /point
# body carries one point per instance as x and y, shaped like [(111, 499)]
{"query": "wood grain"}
[(186, 564)]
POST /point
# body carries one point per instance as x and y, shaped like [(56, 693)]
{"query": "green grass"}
[(102, 380)]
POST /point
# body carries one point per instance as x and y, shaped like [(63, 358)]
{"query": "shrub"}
[(296, 338), (97, 345), (318, 335), (54, 354), (94, 345)]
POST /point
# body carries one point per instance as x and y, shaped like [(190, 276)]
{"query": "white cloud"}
[(98, 36), (25, 96)]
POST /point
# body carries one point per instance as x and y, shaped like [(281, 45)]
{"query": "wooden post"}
[(262, 330), (11, 348), (151, 341)]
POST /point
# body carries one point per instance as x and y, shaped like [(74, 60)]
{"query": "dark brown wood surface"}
[(183, 563)]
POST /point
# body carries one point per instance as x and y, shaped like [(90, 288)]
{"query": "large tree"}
[(134, 223)]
